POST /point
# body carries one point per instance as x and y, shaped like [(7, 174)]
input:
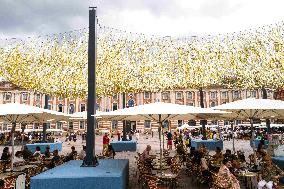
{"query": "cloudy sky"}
[(22, 18)]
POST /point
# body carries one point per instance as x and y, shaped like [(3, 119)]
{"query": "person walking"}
[(105, 142), (170, 140)]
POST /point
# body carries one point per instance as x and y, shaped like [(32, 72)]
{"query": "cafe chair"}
[(10, 182), (152, 182), (214, 184)]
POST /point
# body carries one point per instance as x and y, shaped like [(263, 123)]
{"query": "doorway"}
[(133, 125)]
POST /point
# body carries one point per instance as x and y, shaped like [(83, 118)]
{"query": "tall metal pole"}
[(90, 160), (14, 124), (44, 125), (203, 122), (124, 121), (161, 152), (264, 96)]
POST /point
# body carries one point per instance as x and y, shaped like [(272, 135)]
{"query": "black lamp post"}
[(264, 96), (124, 121), (44, 125), (91, 160), (203, 122)]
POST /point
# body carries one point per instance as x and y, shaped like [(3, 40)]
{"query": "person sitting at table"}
[(242, 160), (175, 139), (218, 156), (269, 174), (228, 155), (6, 155), (145, 156), (55, 159), (110, 152), (236, 165), (203, 149), (37, 151), (71, 155), (18, 156), (225, 179), (83, 153), (37, 155), (27, 154), (204, 168), (192, 152), (181, 151), (47, 152)]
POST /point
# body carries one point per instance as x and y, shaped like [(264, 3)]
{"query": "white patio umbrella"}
[(185, 126), (79, 115), (252, 108), (159, 112), (21, 113)]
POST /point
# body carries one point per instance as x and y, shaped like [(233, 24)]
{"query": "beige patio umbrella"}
[(252, 108), (20, 113), (159, 112), (79, 116)]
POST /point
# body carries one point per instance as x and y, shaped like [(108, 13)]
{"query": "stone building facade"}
[(212, 97)]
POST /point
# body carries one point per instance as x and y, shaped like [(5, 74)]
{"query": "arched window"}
[(49, 106), (47, 125), (147, 123), (114, 106), (114, 124), (36, 126), (166, 124), (191, 122), (5, 126), (180, 122), (71, 108), (82, 125), (70, 125), (214, 122), (60, 108), (59, 125), (213, 94), (83, 107), (189, 95)]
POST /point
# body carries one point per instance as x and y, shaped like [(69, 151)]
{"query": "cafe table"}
[(158, 167), (34, 162), (250, 179), (23, 168), (167, 178)]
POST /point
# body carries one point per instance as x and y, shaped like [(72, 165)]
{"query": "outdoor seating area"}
[(9, 177), (29, 164), (204, 169), (192, 97)]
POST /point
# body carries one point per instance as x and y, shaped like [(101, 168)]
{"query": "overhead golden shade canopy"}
[(129, 62)]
